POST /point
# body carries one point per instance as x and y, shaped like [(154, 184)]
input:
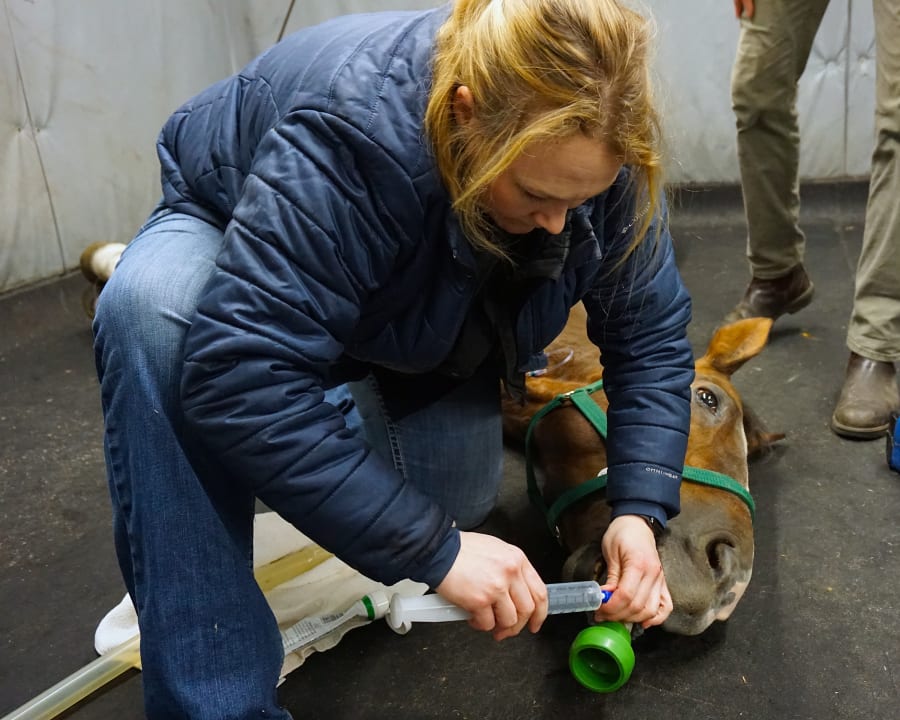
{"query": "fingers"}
[(527, 595), (497, 584), (528, 598), (482, 618), (743, 8), (663, 611), (538, 592), (510, 616), (643, 599), (636, 576), (507, 613)]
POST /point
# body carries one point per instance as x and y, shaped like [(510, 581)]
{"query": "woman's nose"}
[(553, 221)]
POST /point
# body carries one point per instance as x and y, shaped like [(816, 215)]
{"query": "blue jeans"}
[(210, 646)]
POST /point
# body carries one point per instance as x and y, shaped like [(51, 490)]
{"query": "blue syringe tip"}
[(605, 596)]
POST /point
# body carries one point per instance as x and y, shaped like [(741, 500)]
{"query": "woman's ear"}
[(463, 105)]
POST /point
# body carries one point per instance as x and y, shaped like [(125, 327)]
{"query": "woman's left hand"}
[(635, 573)]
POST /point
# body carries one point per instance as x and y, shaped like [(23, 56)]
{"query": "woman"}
[(361, 235)]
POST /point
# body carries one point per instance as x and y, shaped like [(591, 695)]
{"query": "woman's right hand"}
[(497, 584)]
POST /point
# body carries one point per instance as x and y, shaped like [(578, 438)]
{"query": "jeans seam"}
[(391, 429)]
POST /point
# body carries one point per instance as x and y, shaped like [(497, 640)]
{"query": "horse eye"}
[(708, 398)]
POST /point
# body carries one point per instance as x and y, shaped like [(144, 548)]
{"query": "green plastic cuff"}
[(601, 657)]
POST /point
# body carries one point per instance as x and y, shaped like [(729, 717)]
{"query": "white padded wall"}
[(309, 13), (696, 47), (696, 43), (822, 98), (28, 242), (860, 107), (85, 86), (100, 77)]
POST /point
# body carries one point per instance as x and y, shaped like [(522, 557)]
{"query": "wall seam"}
[(33, 131), (287, 17), (848, 44)]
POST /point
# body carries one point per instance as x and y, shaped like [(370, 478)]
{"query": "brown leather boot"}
[(773, 298), (868, 398)]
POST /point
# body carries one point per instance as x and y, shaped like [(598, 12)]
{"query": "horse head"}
[(707, 550)]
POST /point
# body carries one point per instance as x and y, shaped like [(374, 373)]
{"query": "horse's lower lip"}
[(688, 626)]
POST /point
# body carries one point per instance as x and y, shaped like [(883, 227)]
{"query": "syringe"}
[(561, 598), (401, 611)]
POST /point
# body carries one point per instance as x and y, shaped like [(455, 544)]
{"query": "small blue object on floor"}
[(893, 444)]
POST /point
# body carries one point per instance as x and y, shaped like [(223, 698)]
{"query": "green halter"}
[(581, 398)]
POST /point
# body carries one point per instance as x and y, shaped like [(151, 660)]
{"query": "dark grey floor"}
[(817, 635)]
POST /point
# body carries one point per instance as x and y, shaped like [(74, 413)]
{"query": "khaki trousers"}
[(772, 53)]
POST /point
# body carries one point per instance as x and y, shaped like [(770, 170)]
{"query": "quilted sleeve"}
[(638, 314)]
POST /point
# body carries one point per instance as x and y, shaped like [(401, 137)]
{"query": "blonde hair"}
[(541, 70)]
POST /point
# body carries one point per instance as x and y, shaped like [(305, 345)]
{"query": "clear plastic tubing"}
[(79, 685), (106, 668), (561, 597)]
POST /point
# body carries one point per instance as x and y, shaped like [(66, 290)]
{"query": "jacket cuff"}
[(441, 561), (645, 485), (636, 507)]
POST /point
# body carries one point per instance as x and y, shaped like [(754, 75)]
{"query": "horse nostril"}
[(720, 555)]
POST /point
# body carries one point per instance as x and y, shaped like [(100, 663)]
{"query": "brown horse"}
[(707, 550)]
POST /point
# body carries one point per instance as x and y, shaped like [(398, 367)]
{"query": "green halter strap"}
[(581, 398)]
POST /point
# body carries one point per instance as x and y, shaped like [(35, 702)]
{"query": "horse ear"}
[(734, 344), (759, 440)]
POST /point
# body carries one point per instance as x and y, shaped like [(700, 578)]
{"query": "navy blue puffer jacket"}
[(340, 243)]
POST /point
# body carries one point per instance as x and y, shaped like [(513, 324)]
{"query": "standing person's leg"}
[(772, 52), (452, 449), (210, 647), (869, 394)]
